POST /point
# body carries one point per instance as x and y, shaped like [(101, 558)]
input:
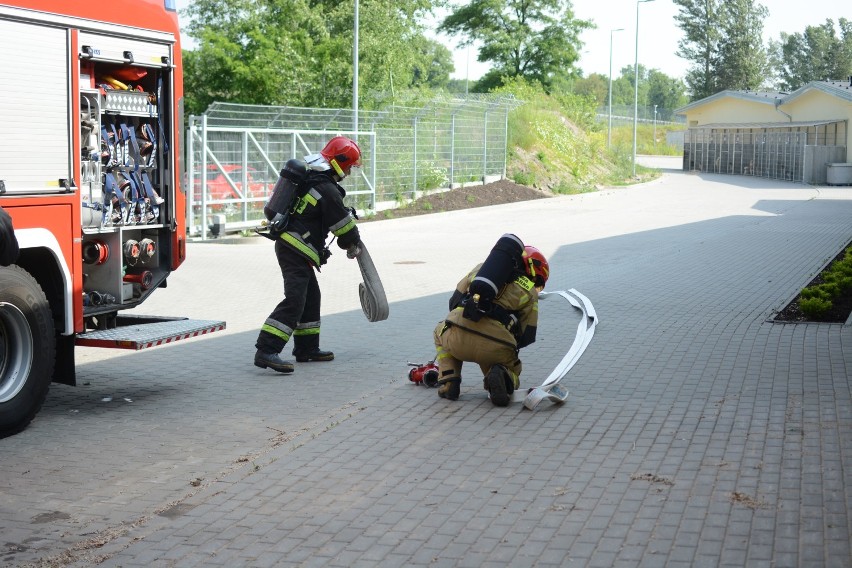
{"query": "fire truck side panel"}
[(34, 104), (51, 255), (90, 168)]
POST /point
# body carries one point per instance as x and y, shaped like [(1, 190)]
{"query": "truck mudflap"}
[(141, 332)]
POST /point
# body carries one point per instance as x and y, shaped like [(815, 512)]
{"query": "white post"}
[(609, 112), (636, 84), (355, 75), (655, 126)]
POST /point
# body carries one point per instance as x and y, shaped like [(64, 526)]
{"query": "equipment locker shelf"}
[(121, 160)]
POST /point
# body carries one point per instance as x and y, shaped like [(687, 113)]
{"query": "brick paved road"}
[(697, 432)]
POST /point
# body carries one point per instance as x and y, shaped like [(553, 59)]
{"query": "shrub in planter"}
[(815, 308)]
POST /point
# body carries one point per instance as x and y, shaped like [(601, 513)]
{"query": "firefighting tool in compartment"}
[(425, 374), (95, 298), (551, 389), (95, 252), (132, 251), (144, 279)]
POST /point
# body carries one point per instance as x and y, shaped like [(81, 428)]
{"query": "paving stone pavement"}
[(697, 432)]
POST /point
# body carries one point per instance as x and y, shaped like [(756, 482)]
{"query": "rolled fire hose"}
[(550, 388), (374, 303)]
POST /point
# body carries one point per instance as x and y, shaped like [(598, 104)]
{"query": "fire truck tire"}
[(27, 349)]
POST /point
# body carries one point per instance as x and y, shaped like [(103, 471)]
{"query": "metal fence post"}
[(506, 142), (190, 173), (485, 147), (203, 218), (452, 148), (414, 164), (244, 176)]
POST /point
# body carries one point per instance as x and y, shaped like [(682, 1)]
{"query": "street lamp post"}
[(636, 84), (609, 112), (356, 25)]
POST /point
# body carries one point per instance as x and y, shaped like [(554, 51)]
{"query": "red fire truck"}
[(91, 101)]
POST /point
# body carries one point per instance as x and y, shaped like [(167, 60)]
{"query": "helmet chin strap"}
[(337, 168)]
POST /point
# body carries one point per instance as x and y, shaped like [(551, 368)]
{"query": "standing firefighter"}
[(493, 314), (300, 231)]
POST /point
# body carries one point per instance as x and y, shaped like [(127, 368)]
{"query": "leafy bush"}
[(431, 176), (817, 299), (523, 178), (815, 308)]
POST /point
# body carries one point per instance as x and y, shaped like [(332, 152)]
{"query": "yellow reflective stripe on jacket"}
[(301, 246), (525, 283), (309, 198), (348, 223)]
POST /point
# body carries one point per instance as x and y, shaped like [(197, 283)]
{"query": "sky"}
[(658, 33)]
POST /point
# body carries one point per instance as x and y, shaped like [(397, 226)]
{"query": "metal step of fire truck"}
[(141, 332)]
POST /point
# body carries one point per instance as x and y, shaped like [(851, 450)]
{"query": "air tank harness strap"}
[(496, 312)]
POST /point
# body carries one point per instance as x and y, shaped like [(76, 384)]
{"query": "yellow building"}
[(800, 136)]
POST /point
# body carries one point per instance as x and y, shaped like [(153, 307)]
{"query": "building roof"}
[(839, 89), (753, 125)]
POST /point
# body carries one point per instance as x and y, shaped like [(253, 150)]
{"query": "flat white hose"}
[(550, 388), (374, 302)]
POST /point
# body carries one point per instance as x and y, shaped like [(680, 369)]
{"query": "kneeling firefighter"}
[(493, 314), (306, 205)]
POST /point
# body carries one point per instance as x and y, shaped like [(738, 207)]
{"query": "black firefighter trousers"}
[(298, 314)]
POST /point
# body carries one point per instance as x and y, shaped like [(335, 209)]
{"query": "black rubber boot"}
[(449, 388), (316, 355), (495, 383), (273, 361)]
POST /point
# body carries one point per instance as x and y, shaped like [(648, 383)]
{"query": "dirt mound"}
[(495, 193)]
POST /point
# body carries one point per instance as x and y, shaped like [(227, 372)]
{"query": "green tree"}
[(535, 39), (595, 85), (743, 63), (722, 39), (816, 54), (299, 52), (666, 93)]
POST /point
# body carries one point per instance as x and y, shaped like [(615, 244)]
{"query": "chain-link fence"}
[(622, 115), (234, 153)]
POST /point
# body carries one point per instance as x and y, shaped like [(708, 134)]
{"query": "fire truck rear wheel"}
[(27, 349)]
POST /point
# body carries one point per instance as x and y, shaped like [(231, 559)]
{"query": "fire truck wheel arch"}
[(27, 349)]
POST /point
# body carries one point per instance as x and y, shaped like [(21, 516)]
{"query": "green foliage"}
[(557, 142), (814, 55), (817, 299), (298, 52), (535, 39), (431, 175), (723, 40), (815, 308), (524, 178)]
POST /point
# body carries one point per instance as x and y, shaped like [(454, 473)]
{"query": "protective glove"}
[(353, 251), (276, 225)]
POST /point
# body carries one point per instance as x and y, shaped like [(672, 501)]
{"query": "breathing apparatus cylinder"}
[(503, 264), (286, 189)]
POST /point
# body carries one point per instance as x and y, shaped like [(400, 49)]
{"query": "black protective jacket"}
[(320, 211)]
